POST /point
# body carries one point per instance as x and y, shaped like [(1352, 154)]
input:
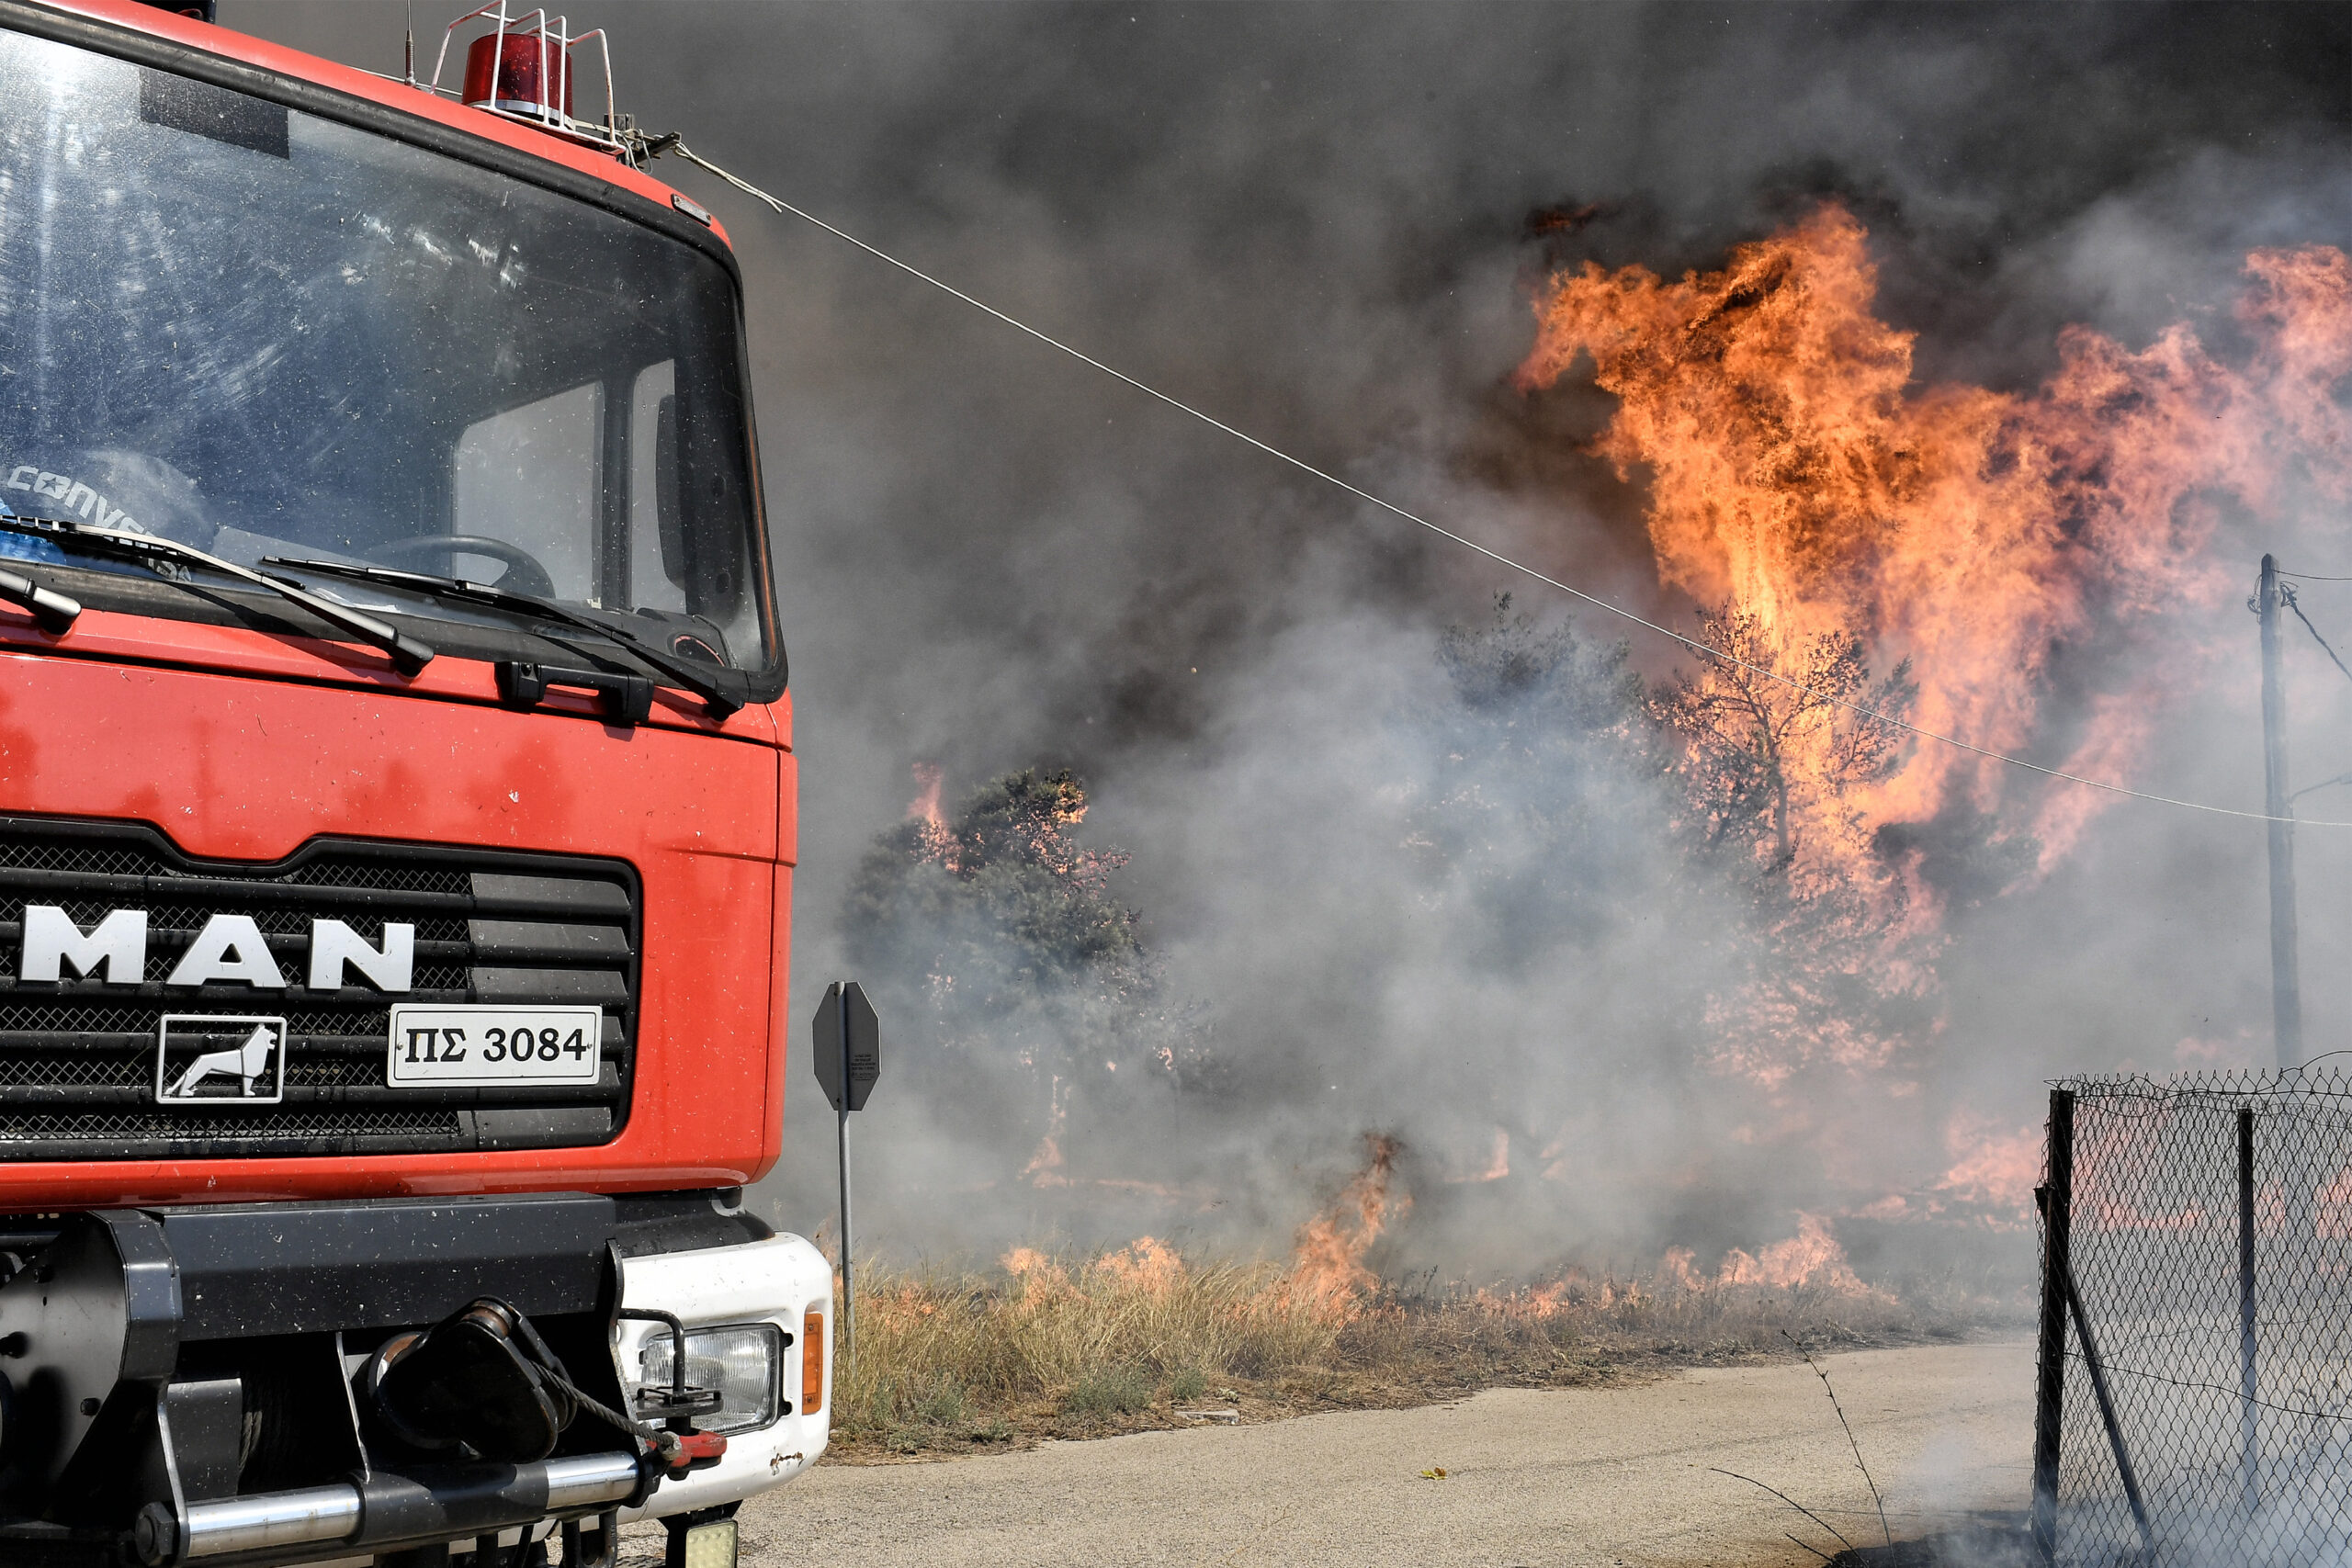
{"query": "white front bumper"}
[(778, 1281)]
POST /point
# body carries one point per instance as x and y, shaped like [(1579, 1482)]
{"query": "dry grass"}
[(940, 1358), (1061, 1347)]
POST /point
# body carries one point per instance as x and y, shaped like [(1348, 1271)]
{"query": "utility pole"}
[(2286, 989)]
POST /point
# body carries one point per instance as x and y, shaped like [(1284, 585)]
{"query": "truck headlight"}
[(744, 1364)]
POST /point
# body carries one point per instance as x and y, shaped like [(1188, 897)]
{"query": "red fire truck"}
[(396, 818)]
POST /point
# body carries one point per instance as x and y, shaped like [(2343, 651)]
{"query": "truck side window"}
[(531, 475), (657, 567)]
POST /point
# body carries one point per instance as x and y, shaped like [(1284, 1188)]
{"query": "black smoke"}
[(1320, 222)]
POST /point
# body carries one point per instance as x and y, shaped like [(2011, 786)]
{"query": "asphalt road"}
[(1600, 1476)]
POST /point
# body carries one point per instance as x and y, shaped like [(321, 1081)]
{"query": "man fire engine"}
[(396, 818)]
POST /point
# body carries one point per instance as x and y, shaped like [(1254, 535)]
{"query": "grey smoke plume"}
[(1312, 220)]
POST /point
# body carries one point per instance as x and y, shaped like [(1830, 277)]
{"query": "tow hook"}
[(682, 1451)]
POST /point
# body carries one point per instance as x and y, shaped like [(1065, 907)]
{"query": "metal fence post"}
[(2249, 1435), (2057, 1210), (2105, 1398)]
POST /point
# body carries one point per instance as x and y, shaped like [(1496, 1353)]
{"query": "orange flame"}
[(2331, 1211), (1145, 1264), (1038, 1273), (1995, 1169), (924, 806), (1327, 1268), (1811, 1260), (1812, 1257), (1044, 1166), (1497, 1165), (1797, 474)]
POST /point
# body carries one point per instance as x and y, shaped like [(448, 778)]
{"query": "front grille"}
[(78, 1056)]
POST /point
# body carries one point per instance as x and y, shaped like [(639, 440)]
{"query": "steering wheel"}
[(523, 574)]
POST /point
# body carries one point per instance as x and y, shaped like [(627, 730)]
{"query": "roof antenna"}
[(407, 41)]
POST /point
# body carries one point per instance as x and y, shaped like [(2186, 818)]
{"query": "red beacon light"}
[(519, 73), (522, 70)]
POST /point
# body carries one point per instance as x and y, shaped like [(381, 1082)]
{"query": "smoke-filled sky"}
[(1320, 223)]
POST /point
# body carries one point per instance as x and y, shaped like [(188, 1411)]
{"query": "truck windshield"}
[(266, 334)]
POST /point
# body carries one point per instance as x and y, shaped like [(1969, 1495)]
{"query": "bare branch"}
[(1865, 1469), (1791, 1501)]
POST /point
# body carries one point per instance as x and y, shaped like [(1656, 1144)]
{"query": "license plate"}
[(436, 1046)]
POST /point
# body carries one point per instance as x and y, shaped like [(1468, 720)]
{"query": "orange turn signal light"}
[(812, 1363)]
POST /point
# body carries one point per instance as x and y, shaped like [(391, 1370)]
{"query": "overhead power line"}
[(782, 207), (2288, 595)]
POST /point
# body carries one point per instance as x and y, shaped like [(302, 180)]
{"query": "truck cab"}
[(396, 818)]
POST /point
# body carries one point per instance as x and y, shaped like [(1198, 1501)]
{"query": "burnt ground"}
[(1997, 1541)]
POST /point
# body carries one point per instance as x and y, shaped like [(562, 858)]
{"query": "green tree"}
[(1003, 939)]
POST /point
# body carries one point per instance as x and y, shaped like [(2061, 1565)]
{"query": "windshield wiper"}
[(718, 694), (408, 655), (51, 611)]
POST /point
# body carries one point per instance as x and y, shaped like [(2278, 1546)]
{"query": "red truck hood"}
[(250, 766)]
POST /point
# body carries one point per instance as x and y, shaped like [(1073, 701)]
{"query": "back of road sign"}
[(854, 1060)]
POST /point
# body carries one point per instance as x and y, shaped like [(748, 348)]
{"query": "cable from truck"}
[(653, 147)]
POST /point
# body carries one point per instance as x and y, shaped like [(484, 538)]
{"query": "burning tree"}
[(1796, 467), (1774, 755), (1799, 473), (1734, 792), (1774, 750), (1004, 934)]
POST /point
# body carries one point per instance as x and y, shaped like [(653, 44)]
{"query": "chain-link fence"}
[(2195, 1405)]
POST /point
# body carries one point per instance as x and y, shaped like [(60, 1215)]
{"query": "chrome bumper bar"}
[(386, 1509)]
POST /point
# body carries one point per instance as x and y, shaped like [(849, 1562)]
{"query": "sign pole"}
[(841, 1119), (846, 1039)]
